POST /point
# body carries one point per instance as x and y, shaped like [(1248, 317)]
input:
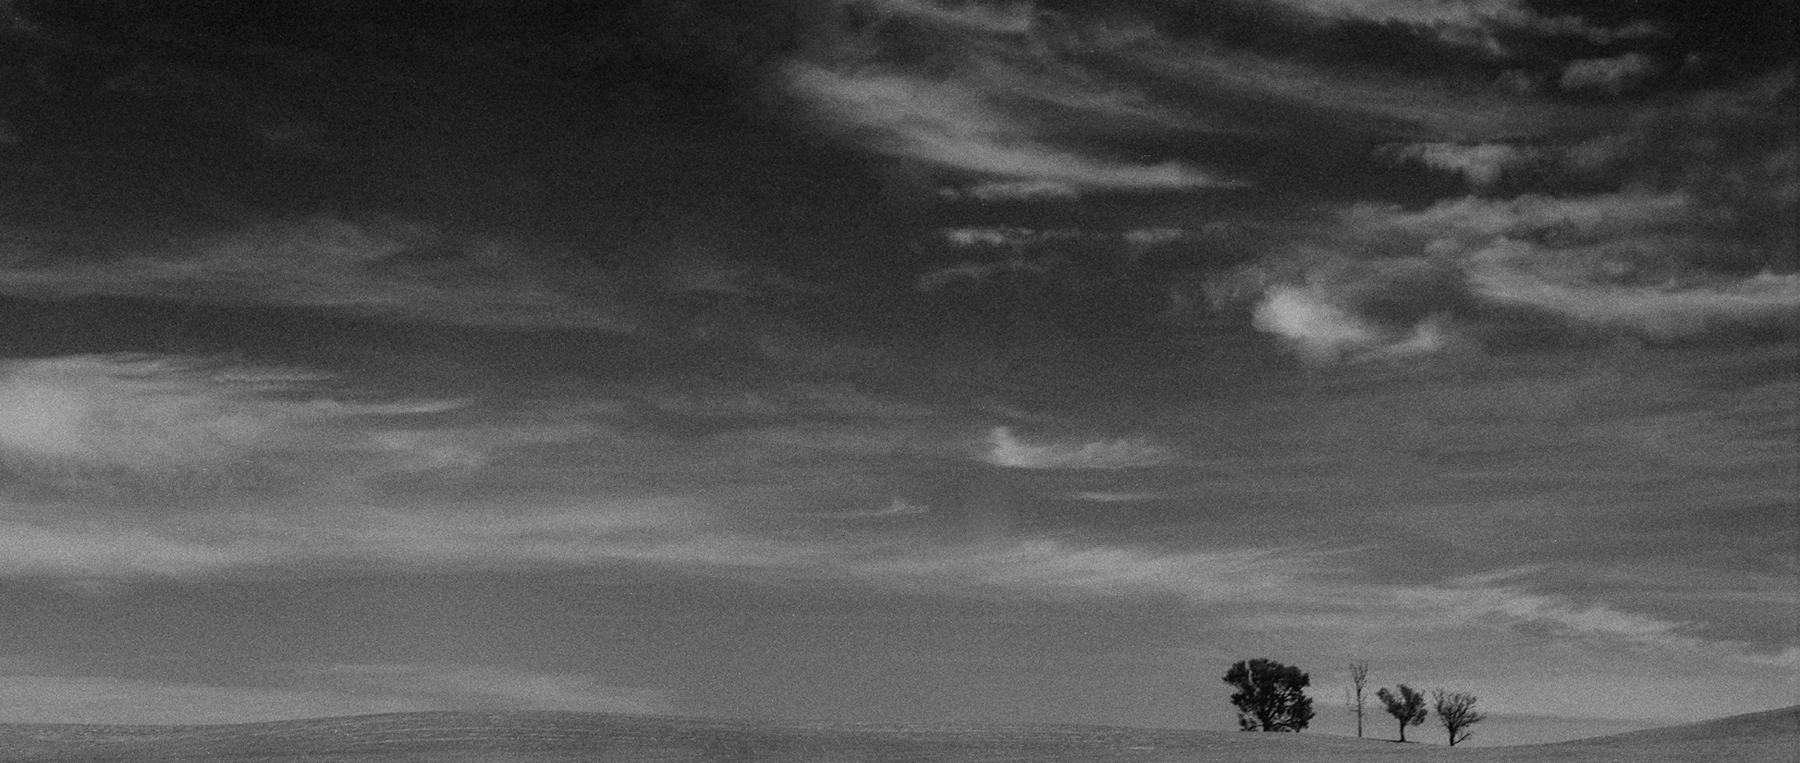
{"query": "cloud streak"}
[(390, 269), (1004, 448), (954, 126), (143, 427)]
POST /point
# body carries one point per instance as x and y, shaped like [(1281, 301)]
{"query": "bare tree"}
[(1353, 694), (1407, 706), (1456, 713)]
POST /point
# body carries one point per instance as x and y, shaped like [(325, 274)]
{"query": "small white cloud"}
[(1481, 164), (1006, 449), (1002, 236), (1322, 331), (1612, 75), (1149, 237)]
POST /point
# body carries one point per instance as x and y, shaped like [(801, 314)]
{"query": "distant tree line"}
[(1271, 696)]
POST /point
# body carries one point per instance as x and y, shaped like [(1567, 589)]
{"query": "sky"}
[(898, 360)]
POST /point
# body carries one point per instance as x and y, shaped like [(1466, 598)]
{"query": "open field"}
[(552, 737)]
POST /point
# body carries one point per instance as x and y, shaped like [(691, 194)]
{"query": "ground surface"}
[(552, 737)]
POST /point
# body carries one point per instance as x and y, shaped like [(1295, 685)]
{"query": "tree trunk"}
[(1402, 730)]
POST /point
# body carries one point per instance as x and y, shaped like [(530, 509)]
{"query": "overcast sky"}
[(898, 360)]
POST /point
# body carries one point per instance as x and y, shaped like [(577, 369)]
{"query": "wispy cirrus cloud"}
[(957, 126), (1005, 448), (146, 426), (1669, 312), (131, 701), (989, 18), (1482, 164), (486, 687), (1469, 22), (386, 268), (986, 90), (1613, 75), (311, 691)]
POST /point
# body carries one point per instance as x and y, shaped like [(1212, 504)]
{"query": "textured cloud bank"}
[(1695, 235)]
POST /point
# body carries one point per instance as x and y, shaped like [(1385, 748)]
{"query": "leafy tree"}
[(1353, 694), (1408, 706), (1456, 713), (1269, 695)]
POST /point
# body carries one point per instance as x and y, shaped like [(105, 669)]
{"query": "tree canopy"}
[(1270, 695), (1407, 706)]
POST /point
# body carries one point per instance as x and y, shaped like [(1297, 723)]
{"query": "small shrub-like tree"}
[(1353, 694), (1408, 706), (1456, 713), (1269, 695)]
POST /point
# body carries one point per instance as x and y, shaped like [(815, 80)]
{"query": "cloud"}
[(1116, 497), (128, 416), (1069, 570), (1004, 236), (66, 550), (983, 17), (1663, 313), (386, 268), (1612, 75), (976, 272), (1006, 449), (1322, 331), (1270, 95), (1468, 22), (313, 692), (1025, 190), (957, 127), (1464, 224), (108, 700), (1482, 164), (482, 687), (144, 426)]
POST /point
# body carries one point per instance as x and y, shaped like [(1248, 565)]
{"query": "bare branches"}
[(1456, 713), (1353, 694)]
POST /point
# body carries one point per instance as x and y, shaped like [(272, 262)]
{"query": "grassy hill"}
[(556, 737)]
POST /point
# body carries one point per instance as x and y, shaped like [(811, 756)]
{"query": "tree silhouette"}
[(1408, 706), (1456, 713), (1269, 695), (1353, 694)]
